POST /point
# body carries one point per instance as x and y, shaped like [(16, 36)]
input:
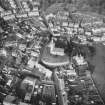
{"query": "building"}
[(56, 51), (5, 13), (49, 16), (23, 15), (96, 39), (55, 31), (12, 4), (49, 93), (80, 62), (9, 17), (1, 9), (25, 6), (53, 57), (60, 88), (65, 23)]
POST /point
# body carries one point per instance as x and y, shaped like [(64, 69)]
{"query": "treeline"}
[(91, 5), (47, 3), (88, 5)]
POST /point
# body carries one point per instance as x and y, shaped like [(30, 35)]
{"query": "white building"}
[(35, 9), (103, 38), (25, 6), (33, 13), (76, 25), (97, 30), (82, 37), (9, 17), (65, 24), (12, 3), (56, 51), (22, 15), (1, 9), (5, 13), (96, 39), (3, 52), (79, 60), (31, 63), (50, 24), (71, 24), (88, 34), (81, 30)]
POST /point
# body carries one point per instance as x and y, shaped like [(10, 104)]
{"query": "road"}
[(98, 61)]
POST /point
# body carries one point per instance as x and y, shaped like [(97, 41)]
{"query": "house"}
[(80, 62), (9, 17), (58, 23), (58, 27), (56, 51), (62, 15), (20, 35), (35, 3), (103, 38), (71, 74), (5, 13), (25, 6), (35, 9), (22, 46), (34, 54), (75, 30), (76, 25), (80, 30), (40, 18), (97, 30), (69, 30), (24, 15), (65, 24), (88, 33), (51, 24), (82, 37), (33, 13), (71, 24), (3, 52), (50, 16), (1, 9), (31, 63), (55, 32), (12, 3), (96, 39), (102, 29)]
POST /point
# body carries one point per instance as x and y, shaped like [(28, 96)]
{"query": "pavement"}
[(98, 75)]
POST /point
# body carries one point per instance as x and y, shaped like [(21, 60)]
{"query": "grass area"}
[(98, 61)]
